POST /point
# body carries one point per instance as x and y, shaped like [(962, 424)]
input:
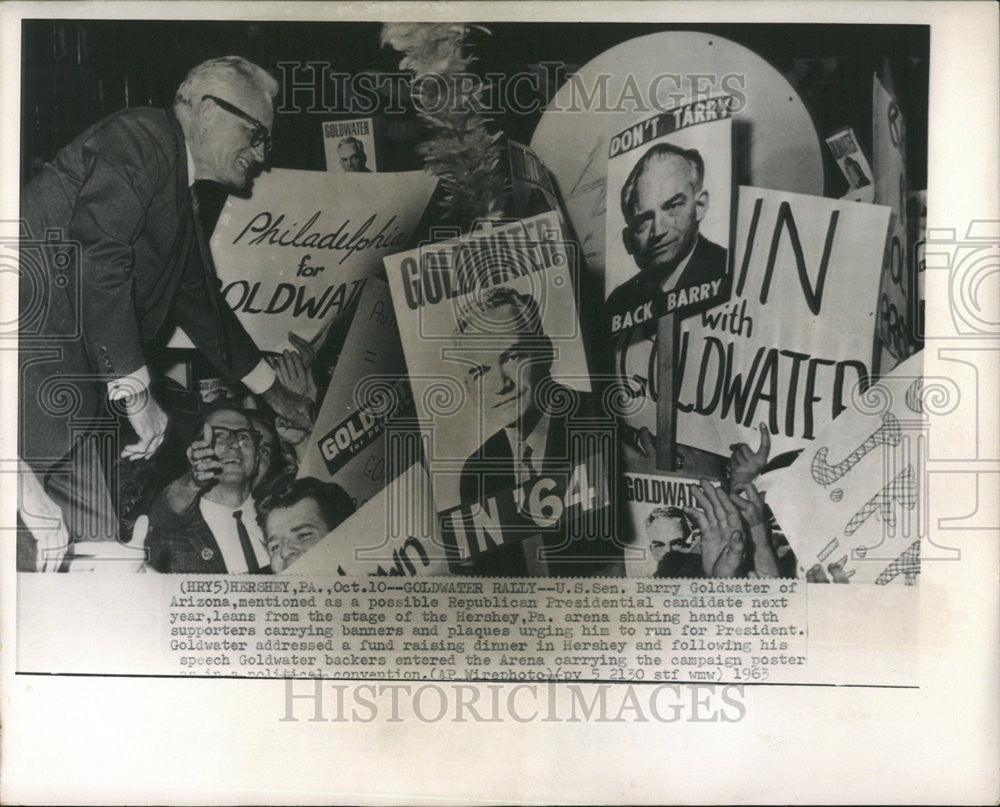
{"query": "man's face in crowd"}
[(660, 533), (664, 222), (235, 446), (505, 369), (222, 151), (291, 531), (352, 157)]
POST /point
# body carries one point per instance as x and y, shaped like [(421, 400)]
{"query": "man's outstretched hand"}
[(295, 408), (745, 464), (149, 422), (722, 531)]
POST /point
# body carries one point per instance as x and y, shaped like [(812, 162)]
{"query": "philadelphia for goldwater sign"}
[(295, 254)]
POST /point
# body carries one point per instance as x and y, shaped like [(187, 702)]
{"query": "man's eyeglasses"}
[(244, 438), (260, 133)]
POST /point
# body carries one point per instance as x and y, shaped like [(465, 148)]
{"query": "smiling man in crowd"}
[(124, 193), (207, 521), (298, 516)]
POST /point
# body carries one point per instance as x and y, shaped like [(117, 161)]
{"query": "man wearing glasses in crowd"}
[(207, 520), (124, 192)]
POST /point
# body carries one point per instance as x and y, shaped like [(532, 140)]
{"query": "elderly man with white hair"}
[(123, 193)]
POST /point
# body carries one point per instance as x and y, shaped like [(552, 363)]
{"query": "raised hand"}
[(817, 575), (722, 531), (294, 373), (745, 464), (288, 433), (204, 465), (307, 349), (295, 408), (754, 513)]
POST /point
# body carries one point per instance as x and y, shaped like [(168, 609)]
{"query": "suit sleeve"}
[(108, 216)]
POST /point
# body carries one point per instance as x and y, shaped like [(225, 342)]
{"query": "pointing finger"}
[(765, 442)]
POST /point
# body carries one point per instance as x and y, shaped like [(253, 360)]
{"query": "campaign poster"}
[(897, 292), (669, 215), (349, 146), (855, 497), (294, 255), (518, 446), (663, 541), (854, 165), (368, 390), (392, 534), (798, 333)]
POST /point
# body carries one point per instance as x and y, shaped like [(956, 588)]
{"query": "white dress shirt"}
[(535, 443), (221, 522)]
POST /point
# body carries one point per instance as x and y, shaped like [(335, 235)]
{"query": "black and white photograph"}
[(440, 403)]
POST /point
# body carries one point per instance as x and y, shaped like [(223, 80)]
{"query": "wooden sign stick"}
[(667, 328)]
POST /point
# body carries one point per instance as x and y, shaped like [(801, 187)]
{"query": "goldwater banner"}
[(349, 145), (853, 499), (295, 254), (798, 333), (394, 533), (501, 382), (660, 532), (369, 388)]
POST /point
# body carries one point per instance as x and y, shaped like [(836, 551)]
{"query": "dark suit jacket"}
[(120, 191), (707, 263), (491, 470), (182, 543)]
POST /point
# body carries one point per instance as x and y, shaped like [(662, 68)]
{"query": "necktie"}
[(208, 268), (248, 553), (525, 468)]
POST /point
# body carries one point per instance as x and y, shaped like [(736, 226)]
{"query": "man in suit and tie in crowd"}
[(664, 201), (207, 520), (124, 192), (507, 362)]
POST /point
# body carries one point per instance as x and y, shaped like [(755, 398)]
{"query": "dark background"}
[(76, 72)]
